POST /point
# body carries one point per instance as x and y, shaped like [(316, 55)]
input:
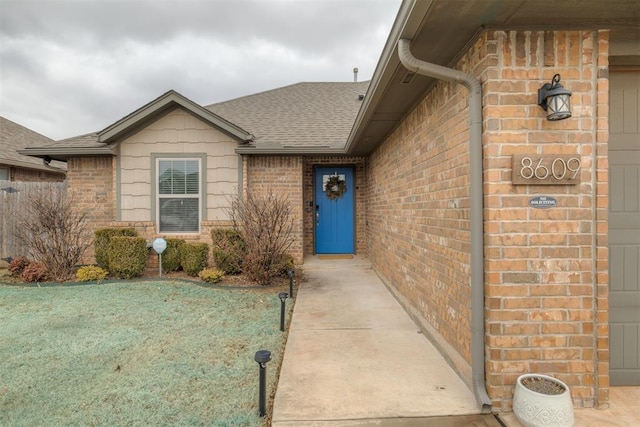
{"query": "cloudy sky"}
[(76, 66)]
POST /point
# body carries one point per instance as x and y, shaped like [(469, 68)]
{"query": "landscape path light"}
[(159, 245), (262, 357), (283, 297), (290, 274)]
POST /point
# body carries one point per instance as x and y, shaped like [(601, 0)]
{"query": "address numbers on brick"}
[(554, 169)]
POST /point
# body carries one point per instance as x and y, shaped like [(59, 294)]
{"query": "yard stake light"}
[(159, 245), (283, 297), (290, 273), (262, 357)]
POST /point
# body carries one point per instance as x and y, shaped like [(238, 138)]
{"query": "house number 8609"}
[(548, 170)]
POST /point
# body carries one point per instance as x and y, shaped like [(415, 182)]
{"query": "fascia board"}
[(160, 105)]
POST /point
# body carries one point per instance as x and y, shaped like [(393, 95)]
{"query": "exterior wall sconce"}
[(554, 99)]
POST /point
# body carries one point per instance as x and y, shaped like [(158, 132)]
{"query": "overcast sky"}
[(73, 67)]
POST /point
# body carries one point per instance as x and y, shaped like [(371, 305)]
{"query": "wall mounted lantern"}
[(554, 99)]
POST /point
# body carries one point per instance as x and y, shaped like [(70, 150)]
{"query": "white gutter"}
[(477, 234)]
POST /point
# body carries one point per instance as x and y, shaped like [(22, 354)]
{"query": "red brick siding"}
[(279, 175), (546, 271), (34, 175), (418, 218), (93, 182)]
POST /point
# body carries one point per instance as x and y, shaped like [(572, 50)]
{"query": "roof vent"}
[(360, 97), (355, 75)]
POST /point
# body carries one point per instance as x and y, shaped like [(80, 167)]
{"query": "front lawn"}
[(136, 354)]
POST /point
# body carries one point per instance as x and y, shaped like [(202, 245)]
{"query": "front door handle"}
[(317, 214)]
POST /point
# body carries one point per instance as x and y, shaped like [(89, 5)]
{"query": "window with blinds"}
[(178, 192)]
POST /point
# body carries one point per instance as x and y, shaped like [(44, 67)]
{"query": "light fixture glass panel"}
[(558, 107)]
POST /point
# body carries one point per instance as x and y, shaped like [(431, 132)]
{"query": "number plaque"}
[(551, 169)]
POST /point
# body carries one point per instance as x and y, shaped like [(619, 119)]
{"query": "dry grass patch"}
[(135, 353)]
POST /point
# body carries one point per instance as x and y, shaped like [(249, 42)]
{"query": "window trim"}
[(155, 193)]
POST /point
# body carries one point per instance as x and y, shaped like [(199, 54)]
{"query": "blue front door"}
[(334, 202)]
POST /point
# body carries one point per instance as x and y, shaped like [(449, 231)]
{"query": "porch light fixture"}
[(554, 99)]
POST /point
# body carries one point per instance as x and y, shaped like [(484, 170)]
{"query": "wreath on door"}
[(335, 187)]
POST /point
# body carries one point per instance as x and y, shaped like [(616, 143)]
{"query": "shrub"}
[(171, 255), (228, 250), (285, 264), (211, 275), (101, 241), (17, 266), (54, 231), (91, 273), (35, 272), (194, 257), (127, 256), (266, 225)]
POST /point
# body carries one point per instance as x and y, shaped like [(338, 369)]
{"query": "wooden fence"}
[(14, 202)]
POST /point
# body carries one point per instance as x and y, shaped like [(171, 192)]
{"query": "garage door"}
[(624, 227)]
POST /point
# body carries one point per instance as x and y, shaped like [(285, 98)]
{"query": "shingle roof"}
[(301, 117), (14, 137), (310, 115)]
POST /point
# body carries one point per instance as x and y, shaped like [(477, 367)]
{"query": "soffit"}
[(440, 29)]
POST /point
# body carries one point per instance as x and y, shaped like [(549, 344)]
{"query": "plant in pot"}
[(542, 401)]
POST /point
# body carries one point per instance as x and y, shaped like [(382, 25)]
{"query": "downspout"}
[(477, 234)]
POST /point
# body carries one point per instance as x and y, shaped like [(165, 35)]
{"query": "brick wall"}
[(418, 219), (546, 272), (92, 181), (358, 164), (34, 175), (546, 269), (279, 175)]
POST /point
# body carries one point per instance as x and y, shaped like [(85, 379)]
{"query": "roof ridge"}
[(251, 95)]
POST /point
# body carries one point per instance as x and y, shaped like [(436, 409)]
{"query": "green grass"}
[(135, 354)]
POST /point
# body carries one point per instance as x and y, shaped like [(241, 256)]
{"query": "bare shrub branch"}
[(54, 232), (266, 225)]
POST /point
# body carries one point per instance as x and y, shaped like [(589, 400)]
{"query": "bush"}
[(285, 264), (91, 273), (54, 230), (101, 241), (228, 250), (266, 225), (171, 255), (127, 256), (35, 272), (17, 266), (211, 275), (194, 257)]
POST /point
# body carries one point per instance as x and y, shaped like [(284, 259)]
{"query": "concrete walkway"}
[(354, 357)]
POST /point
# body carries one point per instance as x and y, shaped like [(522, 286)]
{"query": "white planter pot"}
[(534, 409)]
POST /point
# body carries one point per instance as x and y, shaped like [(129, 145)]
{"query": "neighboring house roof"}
[(13, 138), (104, 142), (303, 117), (440, 29)]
